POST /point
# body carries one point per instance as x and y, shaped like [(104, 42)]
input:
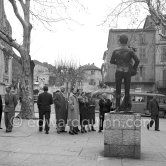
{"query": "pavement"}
[(25, 146)]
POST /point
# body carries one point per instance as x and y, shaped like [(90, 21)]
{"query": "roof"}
[(130, 30), (90, 67), (44, 64), (149, 23)]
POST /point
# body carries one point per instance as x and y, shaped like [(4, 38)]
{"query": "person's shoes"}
[(47, 132), (58, 132), (1, 128), (63, 131), (77, 129), (157, 130), (82, 131), (93, 129), (8, 131), (40, 129), (99, 131), (85, 131), (75, 132), (71, 133), (148, 126)]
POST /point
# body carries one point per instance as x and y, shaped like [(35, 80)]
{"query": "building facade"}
[(160, 57), (91, 78), (144, 42), (5, 59)]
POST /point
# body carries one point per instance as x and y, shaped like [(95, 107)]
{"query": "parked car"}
[(140, 101)]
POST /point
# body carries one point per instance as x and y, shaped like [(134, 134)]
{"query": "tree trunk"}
[(27, 105)]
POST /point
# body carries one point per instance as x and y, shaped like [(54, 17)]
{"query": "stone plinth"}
[(122, 135)]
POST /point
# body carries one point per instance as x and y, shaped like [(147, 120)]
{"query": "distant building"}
[(41, 75), (151, 50), (5, 59), (160, 55), (91, 77)]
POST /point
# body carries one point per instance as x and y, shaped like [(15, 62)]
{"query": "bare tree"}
[(134, 8), (23, 16), (67, 71)]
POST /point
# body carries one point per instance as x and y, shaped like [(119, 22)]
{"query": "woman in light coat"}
[(73, 112)]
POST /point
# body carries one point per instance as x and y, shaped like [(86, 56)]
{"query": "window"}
[(6, 63), (142, 38), (118, 36), (163, 54), (142, 72), (92, 72), (163, 31), (92, 82), (142, 53)]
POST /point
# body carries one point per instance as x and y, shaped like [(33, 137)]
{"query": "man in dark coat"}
[(1, 108), (9, 110), (91, 112), (61, 106), (154, 109), (44, 105), (83, 109), (105, 107)]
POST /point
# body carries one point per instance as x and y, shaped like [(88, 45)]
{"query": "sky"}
[(82, 41)]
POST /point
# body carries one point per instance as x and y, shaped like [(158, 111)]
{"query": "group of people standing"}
[(77, 110)]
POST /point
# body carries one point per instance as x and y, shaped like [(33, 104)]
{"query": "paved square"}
[(25, 146)]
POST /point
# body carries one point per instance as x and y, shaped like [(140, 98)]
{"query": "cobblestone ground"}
[(25, 146)]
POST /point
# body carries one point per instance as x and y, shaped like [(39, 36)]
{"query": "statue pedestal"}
[(122, 135)]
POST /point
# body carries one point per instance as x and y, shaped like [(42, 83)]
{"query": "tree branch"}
[(10, 41), (22, 5), (163, 36), (11, 53), (13, 2)]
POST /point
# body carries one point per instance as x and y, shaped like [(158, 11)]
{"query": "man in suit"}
[(1, 108), (154, 109), (105, 107), (44, 105), (9, 110), (61, 105)]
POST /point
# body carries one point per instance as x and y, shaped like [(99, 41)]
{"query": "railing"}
[(161, 84)]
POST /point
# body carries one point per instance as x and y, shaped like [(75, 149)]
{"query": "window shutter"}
[(163, 54)]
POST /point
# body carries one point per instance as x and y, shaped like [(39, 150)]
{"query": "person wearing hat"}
[(104, 107), (44, 105), (9, 110), (61, 106)]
